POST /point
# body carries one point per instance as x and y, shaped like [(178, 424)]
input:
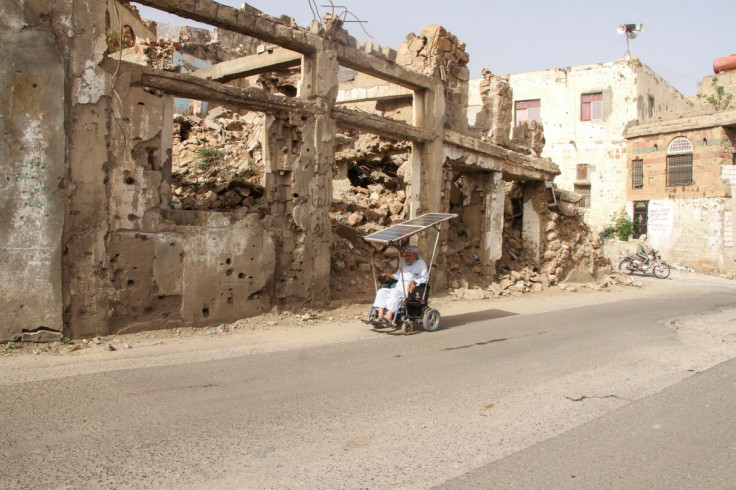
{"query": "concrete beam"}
[(377, 92), (243, 21), (189, 86), (383, 69), (269, 60), (515, 166), (681, 122), (382, 126)]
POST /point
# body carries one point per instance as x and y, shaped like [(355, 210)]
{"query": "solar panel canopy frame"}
[(397, 233)]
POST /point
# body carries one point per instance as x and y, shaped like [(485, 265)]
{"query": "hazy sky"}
[(679, 42)]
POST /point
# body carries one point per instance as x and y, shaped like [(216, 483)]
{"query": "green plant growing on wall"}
[(719, 99), (209, 156), (620, 227)]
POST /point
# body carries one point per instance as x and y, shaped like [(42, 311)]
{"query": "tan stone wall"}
[(32, 153), (712, 148)]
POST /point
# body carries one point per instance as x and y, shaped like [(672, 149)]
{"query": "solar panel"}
[(408, 228)]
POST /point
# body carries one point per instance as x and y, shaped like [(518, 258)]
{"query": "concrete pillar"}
[(492, 228), (427, 158), (531, 232), (32, 149), (306, 186)]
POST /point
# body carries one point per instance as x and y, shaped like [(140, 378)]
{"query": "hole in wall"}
[(241, 276), (205, 312), (133, 217), (227, 261), (230, 300), (229, 272), (131, 282)]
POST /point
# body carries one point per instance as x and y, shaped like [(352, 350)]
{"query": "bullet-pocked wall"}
[(90, 229)]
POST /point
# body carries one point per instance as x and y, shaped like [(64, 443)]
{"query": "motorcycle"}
[(632, 263)]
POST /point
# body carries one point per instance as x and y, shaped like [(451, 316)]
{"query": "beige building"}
[(680, 183), (584, 111)]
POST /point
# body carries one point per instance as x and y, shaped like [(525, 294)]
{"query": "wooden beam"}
[(247, 21), (269, 60), (191, 87), (382, 126)]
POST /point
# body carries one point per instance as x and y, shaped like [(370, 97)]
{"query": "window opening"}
[(591, 107), (582, 171), (583, 190), (528, 110), (679, 163), (637, 174), (641, 217)]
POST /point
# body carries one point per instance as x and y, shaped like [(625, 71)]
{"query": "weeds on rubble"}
[(209, 156), (244, 173), (9, 348), (113, 40), (65, 340), (720, 100)]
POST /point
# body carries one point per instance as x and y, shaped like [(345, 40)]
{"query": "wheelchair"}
[(414, 311)]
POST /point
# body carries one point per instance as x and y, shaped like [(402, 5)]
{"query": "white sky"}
[(680, 39)]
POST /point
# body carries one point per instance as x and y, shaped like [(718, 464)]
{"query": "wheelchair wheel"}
[(431, 320), (373, 313)]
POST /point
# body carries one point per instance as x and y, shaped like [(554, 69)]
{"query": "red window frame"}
[(588, 105)]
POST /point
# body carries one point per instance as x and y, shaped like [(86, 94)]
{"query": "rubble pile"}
[(217, 162), (369, 194), (218, 165)]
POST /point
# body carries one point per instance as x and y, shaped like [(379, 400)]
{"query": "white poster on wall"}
[(661, 216)]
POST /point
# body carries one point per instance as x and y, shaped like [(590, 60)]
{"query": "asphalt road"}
[(485, 398), (682, 437)]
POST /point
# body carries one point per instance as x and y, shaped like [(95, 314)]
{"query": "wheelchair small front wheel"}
[(373, 313), (431, 320)]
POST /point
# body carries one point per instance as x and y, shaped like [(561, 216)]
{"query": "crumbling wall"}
[(32, 150), (496, 115), (439, 53)]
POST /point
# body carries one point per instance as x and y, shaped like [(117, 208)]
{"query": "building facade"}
[(680, 186), (584, 111)]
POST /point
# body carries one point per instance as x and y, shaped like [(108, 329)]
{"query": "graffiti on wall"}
[(661, 216), (30, 179)]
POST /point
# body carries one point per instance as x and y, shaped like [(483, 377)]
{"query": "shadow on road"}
[(452, 321)]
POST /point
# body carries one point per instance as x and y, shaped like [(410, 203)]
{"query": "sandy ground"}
[(275, 332), (272, 332)]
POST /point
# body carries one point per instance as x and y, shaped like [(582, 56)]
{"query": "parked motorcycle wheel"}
[(625, 267), (662, 271)]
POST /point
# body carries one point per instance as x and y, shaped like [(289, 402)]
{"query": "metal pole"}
[(431, 261)]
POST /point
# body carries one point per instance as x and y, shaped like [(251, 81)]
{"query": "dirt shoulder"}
[(276, 332)]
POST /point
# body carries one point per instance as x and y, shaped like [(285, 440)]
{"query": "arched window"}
[(680, 162)]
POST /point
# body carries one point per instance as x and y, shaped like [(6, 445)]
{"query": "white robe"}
[(391, 298)]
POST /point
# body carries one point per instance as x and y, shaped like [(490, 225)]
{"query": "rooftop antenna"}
[(631, 31)]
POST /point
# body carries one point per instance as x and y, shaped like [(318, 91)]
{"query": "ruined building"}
[(97, 233), (584, 111)]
